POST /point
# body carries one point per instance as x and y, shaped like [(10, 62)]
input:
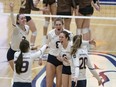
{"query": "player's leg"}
[(46, 25), (50, 73), (67, 22), (79, 23), (66, 80), (53, 9), (50, 70), (33, 29), (10, 57), (78, 30), (11, 62), (66, 76), (86, 29), (45, 29), (59, 76)]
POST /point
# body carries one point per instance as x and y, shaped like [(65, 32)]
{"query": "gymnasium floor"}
[(104, 59)]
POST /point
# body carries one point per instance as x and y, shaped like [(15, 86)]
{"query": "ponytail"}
[(24, 47), (19, 63), (77, 41)]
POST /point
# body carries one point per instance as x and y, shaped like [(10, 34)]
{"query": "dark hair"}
[(67, 35), (17, 18), (58, 19), (77, 41), (24, 46)]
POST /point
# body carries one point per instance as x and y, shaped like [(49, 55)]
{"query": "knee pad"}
[(34, 33), (78, 31), (85, 30), (46, 24)]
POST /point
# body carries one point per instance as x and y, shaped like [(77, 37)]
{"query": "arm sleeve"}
[(12, 18), (76, 65), (39, 52), (92, 69)]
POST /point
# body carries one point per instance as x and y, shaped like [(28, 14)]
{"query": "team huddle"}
[(68, 54)]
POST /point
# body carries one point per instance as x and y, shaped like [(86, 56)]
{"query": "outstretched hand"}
[(11, 4), (92, 42), (35, 47)]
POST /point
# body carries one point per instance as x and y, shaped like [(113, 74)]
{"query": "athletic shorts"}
[(88, 10), (49, 2), (80, 83), (66, 70), (53, 60), (28, 18), (20, 84), (64, 13), (10, 54)]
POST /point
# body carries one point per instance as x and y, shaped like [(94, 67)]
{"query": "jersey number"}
[(23, 2), (24, 66), (83, 62), (57, 44)]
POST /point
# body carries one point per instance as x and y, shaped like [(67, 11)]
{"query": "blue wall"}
[(108, 2)]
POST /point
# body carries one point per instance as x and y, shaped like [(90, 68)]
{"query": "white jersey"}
[(66, 52), (83, 59), (54, 42), (17, 35), (28, 59)]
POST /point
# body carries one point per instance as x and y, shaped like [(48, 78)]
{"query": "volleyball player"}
[(51, 6), (66, 44), (64, 7), (20, 29), (83, 25), (26, 7), (81, 60), (23, 61), (54, 66)]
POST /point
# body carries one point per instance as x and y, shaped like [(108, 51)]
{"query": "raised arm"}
[(12, 14)]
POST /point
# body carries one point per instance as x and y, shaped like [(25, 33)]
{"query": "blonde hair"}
[(77, 41)]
